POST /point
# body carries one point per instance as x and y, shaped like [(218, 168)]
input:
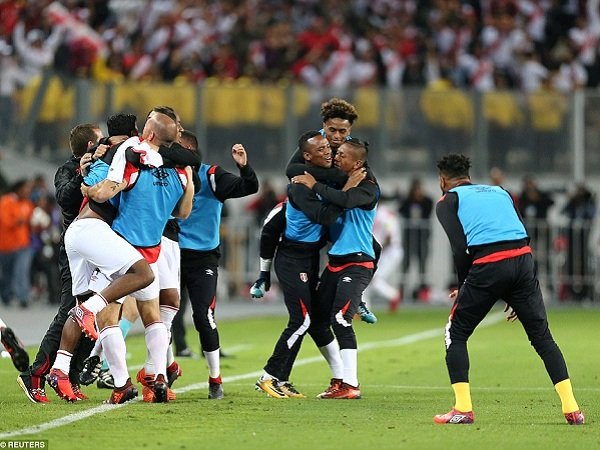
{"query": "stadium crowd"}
[(327, 43)]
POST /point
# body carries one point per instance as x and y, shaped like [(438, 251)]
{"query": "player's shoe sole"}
[(91, 370), (15, 348), (173, 372)]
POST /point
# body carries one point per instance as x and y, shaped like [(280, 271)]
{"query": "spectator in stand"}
[(270, 41), (15, 252), (45, 234), (580, 210), (532, 72), (12, 77), (534, 205), (386, 229), (571, 73), (35, 49), (584, 38), (416, 211)]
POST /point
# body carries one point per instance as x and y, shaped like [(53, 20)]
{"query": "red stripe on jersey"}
[(504, 254), (150, 254), (85, 201), (212, 170), (182, 177), (367, 264), (130, 170), (452, 310)]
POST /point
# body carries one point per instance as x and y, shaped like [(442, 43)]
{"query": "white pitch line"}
[(75, 417)]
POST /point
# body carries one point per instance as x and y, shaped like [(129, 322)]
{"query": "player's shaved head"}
[(160, 129)]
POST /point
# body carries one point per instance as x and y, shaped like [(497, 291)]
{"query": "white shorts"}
[(99, 281), (169, 263), (91, 244)]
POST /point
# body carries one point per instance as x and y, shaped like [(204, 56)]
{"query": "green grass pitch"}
[(403, 381)]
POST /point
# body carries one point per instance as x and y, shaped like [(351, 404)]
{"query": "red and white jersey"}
[(147, 156), (502, 48), (586, 43), (337, 72), (479, 70), (535, 13), (531, 74), (570, 76)]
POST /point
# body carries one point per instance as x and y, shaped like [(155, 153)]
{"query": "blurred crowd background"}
[(512, 83), (320, 43)]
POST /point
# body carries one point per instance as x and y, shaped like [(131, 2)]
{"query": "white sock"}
[(214, 364), (170, 354), (95, 303), (349, 356), (63, 361), (2, 324), (267, 376), (331, 353), (115, 352), (97, 350), (167, 314), (157, 342)]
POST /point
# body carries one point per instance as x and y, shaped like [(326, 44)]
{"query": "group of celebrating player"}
[(142, 213)]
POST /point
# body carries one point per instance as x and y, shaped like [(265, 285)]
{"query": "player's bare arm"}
[(184, 207), (105, 190)]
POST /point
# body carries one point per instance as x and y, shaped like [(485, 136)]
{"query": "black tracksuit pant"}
[(51, 341)]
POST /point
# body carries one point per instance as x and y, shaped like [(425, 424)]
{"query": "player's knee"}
[(143, 273)]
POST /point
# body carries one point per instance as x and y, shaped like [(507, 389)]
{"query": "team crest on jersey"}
[(303, 277), (210, 272), (346, 280), (161, 174)]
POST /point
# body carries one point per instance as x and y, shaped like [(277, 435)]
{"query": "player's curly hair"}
[(454, 166), (338, 108)]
